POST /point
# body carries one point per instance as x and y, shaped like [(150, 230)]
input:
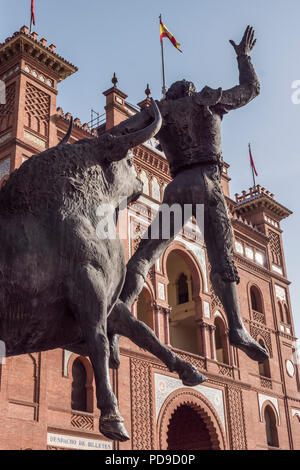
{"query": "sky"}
[(101, 38)]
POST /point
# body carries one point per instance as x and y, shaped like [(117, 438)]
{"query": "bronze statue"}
[(58, 280), (190, 137), (60, 284)]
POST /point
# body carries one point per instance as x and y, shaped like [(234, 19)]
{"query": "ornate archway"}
[(187, 430), (187, 421)]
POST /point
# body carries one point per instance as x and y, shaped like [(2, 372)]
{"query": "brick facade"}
[(241, 403)]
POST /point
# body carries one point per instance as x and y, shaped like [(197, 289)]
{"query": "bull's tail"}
[(65, 139)]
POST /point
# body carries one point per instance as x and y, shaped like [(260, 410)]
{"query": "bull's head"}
[(117, 153)]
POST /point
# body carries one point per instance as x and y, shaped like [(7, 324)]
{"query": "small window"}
[(271, 428), (78, 394), (249, 252), (280, 312), (287, 315), (264, 367), (239, 248), (221, 342), (183, 289), (28, 120), (256, 301)]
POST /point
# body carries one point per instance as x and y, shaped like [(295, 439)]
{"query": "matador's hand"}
[(247, 43)]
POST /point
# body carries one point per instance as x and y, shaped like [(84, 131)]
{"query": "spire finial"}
[(146, 102), (114, 80), (147, 91)]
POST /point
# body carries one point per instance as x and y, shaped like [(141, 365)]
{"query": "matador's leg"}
[(154, 242), (149, 250), (224, 276)]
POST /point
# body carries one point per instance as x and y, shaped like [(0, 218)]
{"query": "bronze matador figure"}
[(190, 137)]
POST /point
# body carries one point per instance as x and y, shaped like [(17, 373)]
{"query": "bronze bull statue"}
[(58, 280)]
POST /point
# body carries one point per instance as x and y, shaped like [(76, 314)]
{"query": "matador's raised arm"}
[(249, 86)]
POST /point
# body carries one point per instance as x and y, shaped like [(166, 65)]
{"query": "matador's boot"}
[(238, 335)]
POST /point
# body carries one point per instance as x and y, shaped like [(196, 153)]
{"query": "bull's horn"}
[(65, 139), (139, 137)]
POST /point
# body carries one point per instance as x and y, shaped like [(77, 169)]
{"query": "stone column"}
[(231, 352), (166, 312), (204, 330), (156, 319), (213, 342), (161, 322)]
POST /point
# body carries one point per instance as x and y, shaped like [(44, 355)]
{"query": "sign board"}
[(77, 442)]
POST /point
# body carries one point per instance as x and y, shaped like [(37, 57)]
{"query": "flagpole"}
[(31, 19), (164, 88), (253, 175)]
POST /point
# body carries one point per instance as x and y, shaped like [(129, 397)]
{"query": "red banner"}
[(32, 12), (252, 162)]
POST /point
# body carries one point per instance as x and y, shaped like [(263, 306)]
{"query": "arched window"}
[(256, 300), (188, 431), (144, 308), (264, 367), (221, 342), (45, 129), (144, 178), (287, 315), (28, 120), (183, 329), (182, 289), (271, 428), (37, 126), (78, 394), (156, 189), (280, 312)]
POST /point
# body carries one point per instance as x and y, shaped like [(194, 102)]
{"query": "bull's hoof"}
[(190, 376), (242, 340), (113, 428)]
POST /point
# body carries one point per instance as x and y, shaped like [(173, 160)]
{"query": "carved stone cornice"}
[(202, 324), (165, 310)]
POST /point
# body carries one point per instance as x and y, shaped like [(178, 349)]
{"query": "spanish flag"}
[(32, 20), (165, 33), (252, 164)]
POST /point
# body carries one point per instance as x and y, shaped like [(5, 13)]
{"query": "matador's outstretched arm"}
[(249, 86)]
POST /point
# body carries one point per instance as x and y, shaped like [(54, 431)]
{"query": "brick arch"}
[(191, 261), (286, 313), (261, 338), (148, 290), (280, 308), (89, 384), (296, 417), (88, 367), (271, 405), (203, 408), (149, 287), (218, 313), (253, 284)]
